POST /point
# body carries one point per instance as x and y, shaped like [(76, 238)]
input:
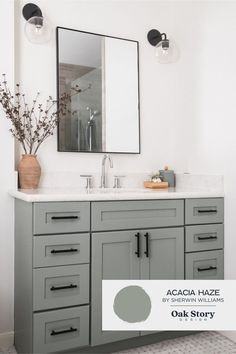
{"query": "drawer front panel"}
[(204, 211), (61, 330), (204, 265), (204, 237), (63, 217), (60, 286), (61, 250), (136, 214)]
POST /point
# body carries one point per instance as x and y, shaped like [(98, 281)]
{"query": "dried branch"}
[(32, 126)]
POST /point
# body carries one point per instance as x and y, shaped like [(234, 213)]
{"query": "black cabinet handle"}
[(69, 250), (71, 286), (56, 333), (138, 244), (202, 238), (205, 269), (70, 217), (207, 211), (147, 244)]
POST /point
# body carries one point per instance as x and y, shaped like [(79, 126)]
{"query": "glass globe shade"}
[(167, 52), (38, 30)]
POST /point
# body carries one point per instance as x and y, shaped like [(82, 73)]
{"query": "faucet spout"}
[(103, 176), (110, 161)]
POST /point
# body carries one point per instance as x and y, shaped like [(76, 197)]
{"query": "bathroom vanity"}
[(66, 244)]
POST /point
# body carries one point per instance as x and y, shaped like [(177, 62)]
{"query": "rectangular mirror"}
[(104, 116)]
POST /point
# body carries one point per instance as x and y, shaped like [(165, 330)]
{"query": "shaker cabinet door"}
[(113, 257), (163, 256)]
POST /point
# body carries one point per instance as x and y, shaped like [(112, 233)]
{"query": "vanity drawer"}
[(204, 211), (204, 265), (57, 250), (61, 329), (60, 286), (63, 217), (136, 214), (204, 237)]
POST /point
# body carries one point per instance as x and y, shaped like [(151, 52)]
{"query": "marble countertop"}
[(81, 194)]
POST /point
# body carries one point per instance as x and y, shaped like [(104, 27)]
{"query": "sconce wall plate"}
[(31, 10), (154, 37)]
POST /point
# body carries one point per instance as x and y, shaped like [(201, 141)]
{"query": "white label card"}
[(150, 305)]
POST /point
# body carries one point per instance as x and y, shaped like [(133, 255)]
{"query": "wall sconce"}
[(166, 50), (37, 28)]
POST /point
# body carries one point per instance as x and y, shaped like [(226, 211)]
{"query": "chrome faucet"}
[(103, 177)]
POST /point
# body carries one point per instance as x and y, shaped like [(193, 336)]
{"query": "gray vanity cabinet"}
[(63, 251), (52, 276), (146, 254), (204, 238), (113, 257)]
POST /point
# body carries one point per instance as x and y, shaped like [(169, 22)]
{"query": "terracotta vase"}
[(29, 172)]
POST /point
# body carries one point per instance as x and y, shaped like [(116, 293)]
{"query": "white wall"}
[(165, 109), (6, 179), (214, 143)]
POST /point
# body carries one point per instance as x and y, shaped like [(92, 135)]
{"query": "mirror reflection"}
[(104, 115)]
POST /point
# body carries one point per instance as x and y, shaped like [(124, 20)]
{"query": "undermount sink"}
[(117, 190)]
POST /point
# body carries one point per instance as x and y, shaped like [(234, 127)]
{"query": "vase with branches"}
[(32, 124)]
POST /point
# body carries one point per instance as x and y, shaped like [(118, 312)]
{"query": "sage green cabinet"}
[(204, 238), (149, 254), (113, 257), (52, 274), (63, 251)]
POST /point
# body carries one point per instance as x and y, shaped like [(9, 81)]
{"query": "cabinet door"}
[(165, 258), (113, 257)]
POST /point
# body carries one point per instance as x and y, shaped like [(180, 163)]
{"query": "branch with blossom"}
[(32, 125)]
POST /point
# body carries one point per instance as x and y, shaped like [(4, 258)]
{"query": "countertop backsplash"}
[(185, 181), (188, 181)]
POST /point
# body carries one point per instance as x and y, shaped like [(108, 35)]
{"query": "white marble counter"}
[(81, 194)]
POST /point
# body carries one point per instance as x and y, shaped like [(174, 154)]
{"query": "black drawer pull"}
[(147, 244), (202, 238), (207, 211), (138, 245), (71, 286), (69, 250), (56, 333), (71, 217), (205, 269)]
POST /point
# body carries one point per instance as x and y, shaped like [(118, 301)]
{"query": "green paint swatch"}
[(132, 304)]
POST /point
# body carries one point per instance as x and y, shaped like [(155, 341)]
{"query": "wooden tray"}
[(155, 185)]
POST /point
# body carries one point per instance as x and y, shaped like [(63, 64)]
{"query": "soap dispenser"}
[(168, 176)]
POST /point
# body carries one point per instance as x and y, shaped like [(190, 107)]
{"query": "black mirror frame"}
[(57, 83)]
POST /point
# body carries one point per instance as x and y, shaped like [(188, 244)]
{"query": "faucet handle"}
[(117, 183), (88, 180)]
